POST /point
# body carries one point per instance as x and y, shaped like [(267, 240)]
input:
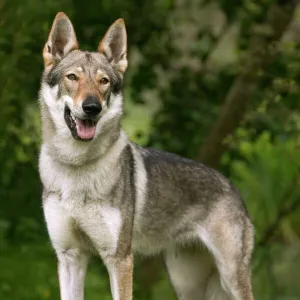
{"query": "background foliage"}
[(201, 73)]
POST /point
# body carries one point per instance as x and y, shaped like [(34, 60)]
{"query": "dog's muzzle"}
[(82, 129)]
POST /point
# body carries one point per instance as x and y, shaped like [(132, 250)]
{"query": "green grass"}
[(29, 272)]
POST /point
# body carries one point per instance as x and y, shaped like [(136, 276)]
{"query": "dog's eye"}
[(72, 77), (103, 80)]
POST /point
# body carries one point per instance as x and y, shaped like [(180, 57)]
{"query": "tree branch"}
[(260, 55), (273, 226), (283, 212)]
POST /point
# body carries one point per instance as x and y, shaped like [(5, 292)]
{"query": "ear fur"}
[(61, 40), (114, 45)]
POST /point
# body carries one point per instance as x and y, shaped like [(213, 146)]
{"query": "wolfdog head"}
[(82, 90)]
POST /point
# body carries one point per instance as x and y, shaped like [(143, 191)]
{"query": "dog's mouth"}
[(80, 129)]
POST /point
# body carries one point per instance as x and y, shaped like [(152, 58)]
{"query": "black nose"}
[(91, 106)]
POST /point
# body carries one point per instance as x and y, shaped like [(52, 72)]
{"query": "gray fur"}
[(111, 197), (181, 187)]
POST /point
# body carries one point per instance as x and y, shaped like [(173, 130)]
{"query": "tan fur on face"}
[(86, 85)]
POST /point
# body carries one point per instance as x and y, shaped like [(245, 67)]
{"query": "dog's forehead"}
[(90, 63), (87, 62)]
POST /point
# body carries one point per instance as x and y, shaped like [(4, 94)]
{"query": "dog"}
[(104, 195)]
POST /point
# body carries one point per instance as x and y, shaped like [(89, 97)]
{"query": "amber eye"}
[(72, 77), (103, 80)]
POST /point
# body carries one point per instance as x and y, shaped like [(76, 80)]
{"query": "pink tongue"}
[(85, 129)]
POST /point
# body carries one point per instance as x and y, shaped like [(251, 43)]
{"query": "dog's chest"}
[(84, 198), (101, 223), (94, 218)]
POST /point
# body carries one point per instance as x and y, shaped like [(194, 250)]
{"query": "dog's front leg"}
[(72, 265), (120, 271), (72, 260)]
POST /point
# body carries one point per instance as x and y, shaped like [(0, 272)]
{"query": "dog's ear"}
[(114, 45), (61, 40)]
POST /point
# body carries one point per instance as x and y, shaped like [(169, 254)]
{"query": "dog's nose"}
[(91, 106)]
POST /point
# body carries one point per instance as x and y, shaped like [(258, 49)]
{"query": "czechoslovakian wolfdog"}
[(104, 195)]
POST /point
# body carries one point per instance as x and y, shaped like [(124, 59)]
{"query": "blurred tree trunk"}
[(259, 56)]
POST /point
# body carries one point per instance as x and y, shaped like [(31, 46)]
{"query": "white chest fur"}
[(100, 223), (79, 196)]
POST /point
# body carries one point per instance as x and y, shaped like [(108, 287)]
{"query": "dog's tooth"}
[(72, 116)]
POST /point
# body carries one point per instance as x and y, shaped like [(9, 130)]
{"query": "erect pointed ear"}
[(114, 45), (61, 40)]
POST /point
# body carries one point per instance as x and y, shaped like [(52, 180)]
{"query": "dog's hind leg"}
[(230, 240), (214, 289), (189, 271)]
